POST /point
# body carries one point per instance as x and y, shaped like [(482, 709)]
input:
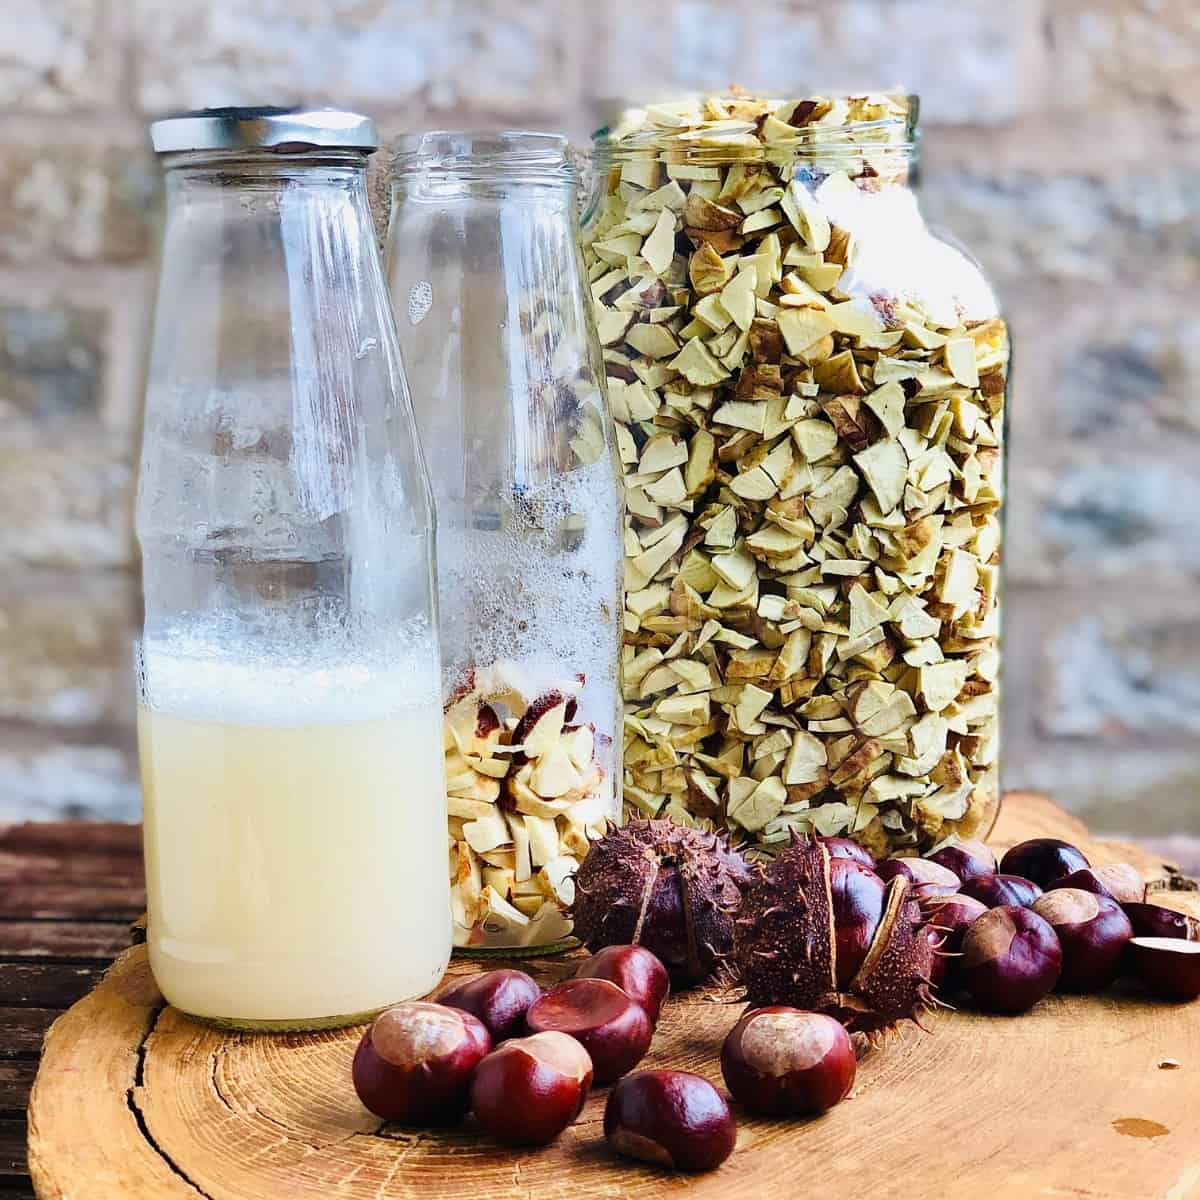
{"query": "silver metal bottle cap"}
[(281, 130)]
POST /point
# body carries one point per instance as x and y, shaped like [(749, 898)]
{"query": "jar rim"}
[(467, 152)]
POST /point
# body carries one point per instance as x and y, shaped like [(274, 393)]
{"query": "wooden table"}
[(67, 895), (69, 891)]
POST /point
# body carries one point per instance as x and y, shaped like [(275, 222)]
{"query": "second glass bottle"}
[(497, 336)]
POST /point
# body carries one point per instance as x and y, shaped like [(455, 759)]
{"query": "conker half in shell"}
[(1121, 882), (1011, 959), (526, 1092), (636, 971), (613, 1029), (858, 900), (415, 1062), (1092, 931), (1169, 967), (672, 1118), (1043, 860), (660, 885), (927, 877), (785, 1062), (788, 944), (498, 998), (966, 859), (997, 891)]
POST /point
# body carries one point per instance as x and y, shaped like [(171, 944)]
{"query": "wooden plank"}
[(99, 900), (16, 1079), (71, 869), (99, 940), (12, 1149), (983, 1108), (46, 985), (22, 1030)]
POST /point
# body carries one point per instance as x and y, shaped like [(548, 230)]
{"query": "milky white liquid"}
[(296, 870)]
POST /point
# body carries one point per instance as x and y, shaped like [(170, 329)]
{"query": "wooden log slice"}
[(1077, 1098)]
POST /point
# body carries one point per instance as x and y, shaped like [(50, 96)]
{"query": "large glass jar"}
[(809, 388), (289, 722), (495, 325)]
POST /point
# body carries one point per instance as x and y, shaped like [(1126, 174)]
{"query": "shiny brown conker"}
[(498, 998), (782, 1061), (1011, 959), (635, 970), (1092, 931), (527, 1091), (1043, 860), (672, 1118), (415, 1061), (613, 1029)]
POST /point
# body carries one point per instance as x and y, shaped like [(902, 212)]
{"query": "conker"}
[(841, 847), (785, 1062), (858, 902), (613, 1029), (526, 1092), (637, 972), (1092, 931), (1120, 881), (1156, 921), (1043, 860), (927, 877), (997, 891), (966, 859), (672, 1118), (1169, 967), (1011, 959), (415, 1061), (499, 999)]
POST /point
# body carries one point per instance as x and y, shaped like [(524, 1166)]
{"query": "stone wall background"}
[(1062, 144)]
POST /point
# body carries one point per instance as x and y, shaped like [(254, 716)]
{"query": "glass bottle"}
[(288, 725), (496, 329), (809, 387)]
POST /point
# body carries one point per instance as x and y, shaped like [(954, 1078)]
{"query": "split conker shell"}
[(1092, 931), (498, 998), (927, 877), (415, 1061), (1011, 959), (966, 859), (1122, 882), (1157, 921), (671, 1118), (782, 1061), (613, 1029), (526, 1092), (1169, 967), (671, 889), (841, 847), (997, 891), (1043, 860), (637, 972), (858, 900)]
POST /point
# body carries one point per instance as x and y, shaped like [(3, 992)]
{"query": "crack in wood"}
[(139, 1117)]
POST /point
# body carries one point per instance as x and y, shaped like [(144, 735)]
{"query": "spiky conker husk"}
[(660, 885), (786, 949)]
